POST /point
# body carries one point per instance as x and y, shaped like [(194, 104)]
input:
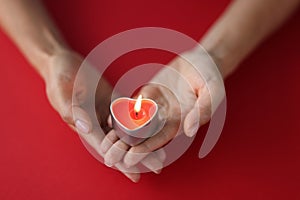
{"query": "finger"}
[(161, 153), (139, 152), (94, 139), (132, 173), (116, 153), (199, 114), (108, 141), (192, 120), (153, 162), (82, 120), (77, 118)]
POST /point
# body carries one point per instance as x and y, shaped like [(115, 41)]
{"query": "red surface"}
[(257, 156)]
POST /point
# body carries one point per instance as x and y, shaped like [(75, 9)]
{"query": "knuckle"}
[(106, 142), (121, 145), (111, 137), (142, 148)]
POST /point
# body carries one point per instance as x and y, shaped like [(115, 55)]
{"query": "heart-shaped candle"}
[(134, 120)]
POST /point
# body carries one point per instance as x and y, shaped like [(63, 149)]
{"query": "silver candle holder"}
[(127, 132)]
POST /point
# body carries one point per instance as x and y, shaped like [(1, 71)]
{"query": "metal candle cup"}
[(133, 126)]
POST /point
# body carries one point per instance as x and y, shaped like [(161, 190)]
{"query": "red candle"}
[(135, 120), (133, 113)]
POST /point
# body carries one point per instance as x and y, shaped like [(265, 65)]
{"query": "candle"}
[(134, 120)]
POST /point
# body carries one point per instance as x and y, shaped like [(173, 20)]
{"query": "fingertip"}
[(116, 153), (136, 178), (82, 126), (153, 163), (108, 164), (191, 123), (192, 132), (161, 154), (108, 141), (133, 157), (82, 120), (107, 161), (132, 173), (159, 171)]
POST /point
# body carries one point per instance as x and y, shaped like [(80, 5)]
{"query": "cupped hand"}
[(189, 90), (61, 74)]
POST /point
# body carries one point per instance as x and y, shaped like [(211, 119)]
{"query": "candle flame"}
[(138, 104)]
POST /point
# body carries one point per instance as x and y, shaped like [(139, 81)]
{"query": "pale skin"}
[(232, 37)]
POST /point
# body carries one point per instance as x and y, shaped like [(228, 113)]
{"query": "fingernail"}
[(82, 126), (193, 130)]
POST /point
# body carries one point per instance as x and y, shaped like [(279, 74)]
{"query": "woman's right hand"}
[(59, 77)]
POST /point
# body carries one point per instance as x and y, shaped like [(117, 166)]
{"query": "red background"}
[(257, 156)]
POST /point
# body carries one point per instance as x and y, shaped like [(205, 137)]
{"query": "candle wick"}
[(136, 114)]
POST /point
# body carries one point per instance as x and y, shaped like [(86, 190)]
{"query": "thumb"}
[(75, 116), (82, 120), (199, 114), (192, 120)]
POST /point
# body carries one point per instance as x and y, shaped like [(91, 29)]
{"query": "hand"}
[(60, 79), (186, 95)]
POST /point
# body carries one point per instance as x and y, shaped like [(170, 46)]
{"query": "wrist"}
[(43, 59), (62, 65), (40, 48), (225, 61)]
